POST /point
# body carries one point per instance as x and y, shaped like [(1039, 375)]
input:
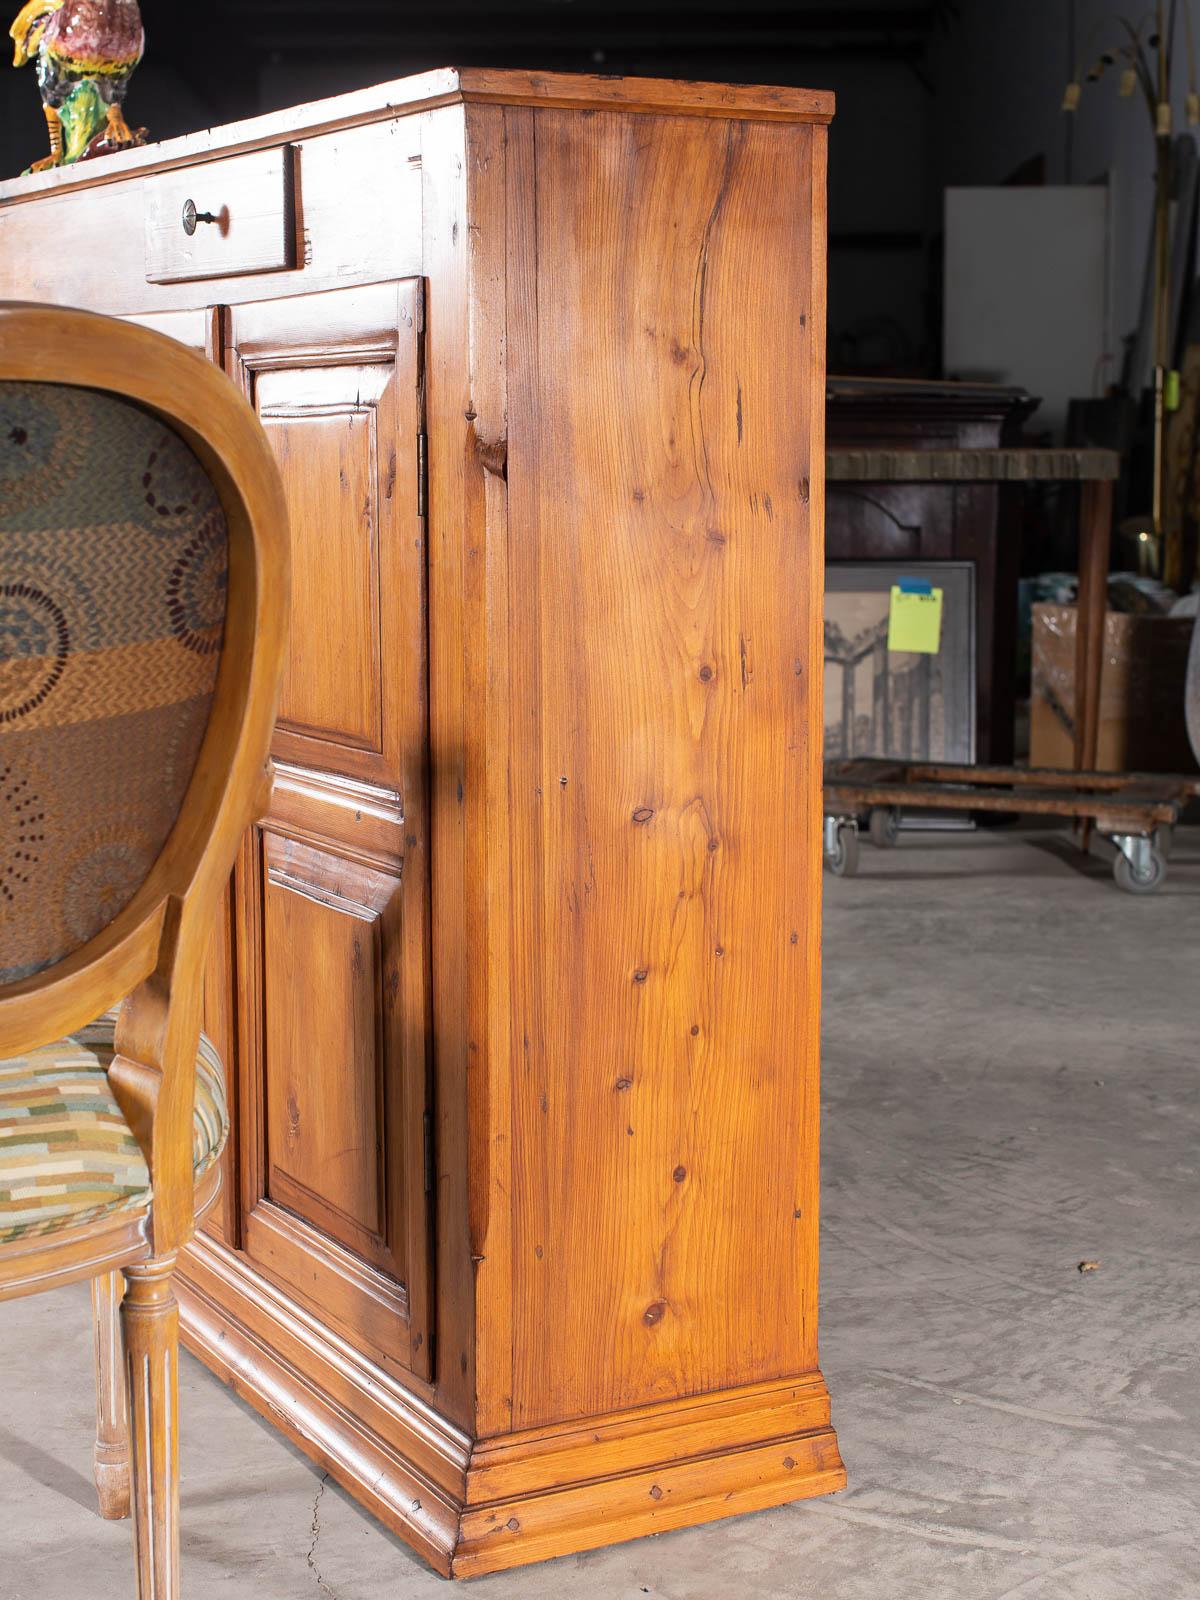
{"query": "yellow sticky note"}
[(915, 621)]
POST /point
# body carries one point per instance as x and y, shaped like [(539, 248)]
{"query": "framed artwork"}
[(881, 702)]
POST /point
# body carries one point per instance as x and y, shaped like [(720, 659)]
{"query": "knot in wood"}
[(493, 456)]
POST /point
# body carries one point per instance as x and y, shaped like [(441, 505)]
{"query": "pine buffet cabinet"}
[(518, 980)]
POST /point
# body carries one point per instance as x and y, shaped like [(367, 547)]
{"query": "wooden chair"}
[(143, 610)]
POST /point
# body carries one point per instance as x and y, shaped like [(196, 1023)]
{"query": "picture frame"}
[(895, 704)]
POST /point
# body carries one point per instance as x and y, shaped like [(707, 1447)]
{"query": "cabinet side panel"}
[(456, 521), (664, 556)]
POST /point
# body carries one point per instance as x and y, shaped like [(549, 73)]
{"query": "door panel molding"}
[(333, 896)]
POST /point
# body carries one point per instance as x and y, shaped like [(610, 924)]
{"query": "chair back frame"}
[(152, 955)]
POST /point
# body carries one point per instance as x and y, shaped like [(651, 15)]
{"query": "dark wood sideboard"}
[(518, 979), (978, 522)]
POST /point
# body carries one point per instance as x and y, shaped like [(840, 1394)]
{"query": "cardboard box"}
[(1142, 726)]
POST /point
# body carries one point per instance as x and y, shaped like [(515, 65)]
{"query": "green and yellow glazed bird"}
[(86, 52)]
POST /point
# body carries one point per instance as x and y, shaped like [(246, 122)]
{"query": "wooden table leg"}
[(1095, 538)]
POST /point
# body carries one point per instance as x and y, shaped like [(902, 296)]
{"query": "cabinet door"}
[(333, 901)]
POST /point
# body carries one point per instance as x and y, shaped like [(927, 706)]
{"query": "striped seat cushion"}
[(66, 1153)]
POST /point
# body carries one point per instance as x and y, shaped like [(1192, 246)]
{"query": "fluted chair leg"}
[(150, 1317), (111, 1459)]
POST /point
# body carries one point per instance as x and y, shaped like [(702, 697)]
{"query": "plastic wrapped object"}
[(1142, 692)]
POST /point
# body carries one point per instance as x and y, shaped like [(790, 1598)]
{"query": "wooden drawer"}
[(222, 218)]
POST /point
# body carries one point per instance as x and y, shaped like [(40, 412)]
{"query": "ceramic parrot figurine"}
[(86, 52)]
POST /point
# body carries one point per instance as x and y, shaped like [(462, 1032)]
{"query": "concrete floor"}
[(1011, 1072)]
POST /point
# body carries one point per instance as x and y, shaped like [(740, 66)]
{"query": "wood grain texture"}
[(544, 832), (326, 426), (344, 236), (460, 341), (334, 1183), (335, 380), (473, 533), (610, 91), (398, 1456), (325, 1150), (674, 1494), (971, 466), (392, 102), (474, 1508), (542, 1460), (320, 806), (663, 564)]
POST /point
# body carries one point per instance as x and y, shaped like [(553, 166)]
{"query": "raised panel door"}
[(325, 914), (325, 428), (333, 967), (335, 380)]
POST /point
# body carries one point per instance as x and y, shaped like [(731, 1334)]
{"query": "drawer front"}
[(344, 235), (222, 218)]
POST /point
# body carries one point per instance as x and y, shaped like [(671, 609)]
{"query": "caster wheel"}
[(1148, 881), (842, 861), (884, 827)]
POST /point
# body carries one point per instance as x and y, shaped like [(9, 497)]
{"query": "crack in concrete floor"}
[(315, 1530)]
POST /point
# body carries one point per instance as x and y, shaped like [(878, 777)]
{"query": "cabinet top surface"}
[(423, 92)]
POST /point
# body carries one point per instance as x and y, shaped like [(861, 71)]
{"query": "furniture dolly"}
[(1135, 810)]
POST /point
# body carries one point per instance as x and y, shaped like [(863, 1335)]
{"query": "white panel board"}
[(1027, 292)]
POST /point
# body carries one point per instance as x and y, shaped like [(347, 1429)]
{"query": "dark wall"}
[(212, 61)]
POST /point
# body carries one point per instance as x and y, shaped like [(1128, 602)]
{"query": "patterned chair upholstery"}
[(113, 562), (113, 553), (67, 1156)]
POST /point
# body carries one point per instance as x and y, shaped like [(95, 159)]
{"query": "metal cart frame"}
[(1136, 811)]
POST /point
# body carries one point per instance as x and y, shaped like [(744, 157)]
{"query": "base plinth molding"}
[(471, 1508)]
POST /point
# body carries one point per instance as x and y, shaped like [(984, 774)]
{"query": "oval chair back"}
[(183, 635), (114, 562)]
